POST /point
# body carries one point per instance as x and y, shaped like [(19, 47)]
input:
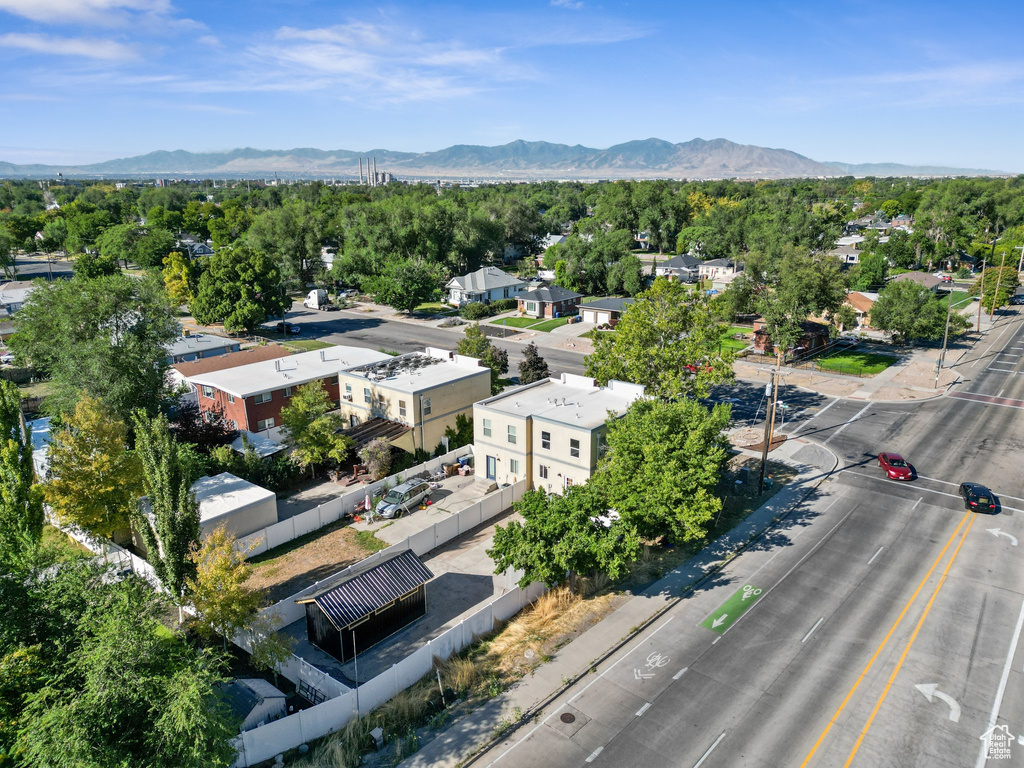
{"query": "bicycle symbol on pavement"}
[(656, 660), (749, 591)]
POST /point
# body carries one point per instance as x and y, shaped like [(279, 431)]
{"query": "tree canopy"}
[(475, 343), (239, 287), (908, 311)]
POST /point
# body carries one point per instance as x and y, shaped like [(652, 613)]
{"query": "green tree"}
[(102, 337), (240, 288), (225, 605), (908, 311), (313, 431), (93, 482), (667, 340), (404, 284), (561, 537), (891, 208), (181, 278), (7, 263), (663, 462), (476, 344), (845, 318), (117, 243), (459, 435), (1006, 283), (21, 508), (532, 367), (871, 271), (152, 247), (171, 529)]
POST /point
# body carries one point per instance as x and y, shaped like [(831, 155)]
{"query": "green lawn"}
[(305, 345), (517, 322), (549, 325), (955, 296), (853, 362), (435, 308), (728, 342), (65, 547)]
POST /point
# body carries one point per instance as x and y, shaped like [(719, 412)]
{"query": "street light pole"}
[(945, 338), (995, 296), (981, 295)]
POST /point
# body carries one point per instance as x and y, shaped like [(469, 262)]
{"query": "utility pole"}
[(769, 420), (981, 297), (995, 296)]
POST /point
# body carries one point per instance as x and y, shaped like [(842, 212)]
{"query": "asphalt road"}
[(357, 329), (886, 630), (31, 267)]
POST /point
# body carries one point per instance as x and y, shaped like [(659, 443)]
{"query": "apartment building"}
[(252, 396), (549, 432), (422, 390)]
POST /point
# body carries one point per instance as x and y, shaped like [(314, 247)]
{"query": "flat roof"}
[(231, 360), (271, 375), (570, 400), (225, 493), (419, 371), (199, 342)]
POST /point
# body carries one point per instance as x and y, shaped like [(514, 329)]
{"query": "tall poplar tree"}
[(21, 509)]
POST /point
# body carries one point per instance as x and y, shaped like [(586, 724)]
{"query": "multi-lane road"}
[(879, 626)]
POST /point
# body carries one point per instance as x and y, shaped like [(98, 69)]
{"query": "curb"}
[(685, 591)]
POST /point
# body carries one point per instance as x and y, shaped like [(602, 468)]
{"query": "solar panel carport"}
[(367, 607)]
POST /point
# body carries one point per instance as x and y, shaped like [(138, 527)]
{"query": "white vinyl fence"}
[(265, 742), (312, 519)]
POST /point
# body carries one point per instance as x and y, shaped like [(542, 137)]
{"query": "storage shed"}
[(254, 702), (240, 506), (367, 606)]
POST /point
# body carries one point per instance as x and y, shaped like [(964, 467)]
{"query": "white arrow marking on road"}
[(638, 675), (719, 621), (931, 690), (997, 533)]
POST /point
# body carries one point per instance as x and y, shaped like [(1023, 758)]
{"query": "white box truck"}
[(318, 299)]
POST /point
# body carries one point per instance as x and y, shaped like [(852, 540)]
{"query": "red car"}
[(895, 466)]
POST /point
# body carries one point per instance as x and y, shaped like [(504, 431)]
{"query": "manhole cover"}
[(568, 717)]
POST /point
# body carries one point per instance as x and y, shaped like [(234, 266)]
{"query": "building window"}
[(366, 396), (287, 391), (231, 398), (263, 397), (531, 306), (487, 427), (401, 408), (207, 391), (380, 400), (263, 424), (348, 390), (234, 424), (426, 407), (544, 471), (574, 448), (568, 483), (513, 466), (545, 440), (512, 434)]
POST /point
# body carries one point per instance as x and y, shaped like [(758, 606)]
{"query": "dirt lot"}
[(303, 561)]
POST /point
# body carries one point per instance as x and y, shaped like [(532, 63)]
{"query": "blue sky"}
[(88, 80)]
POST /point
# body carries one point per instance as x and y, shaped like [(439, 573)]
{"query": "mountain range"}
[(517, 160)]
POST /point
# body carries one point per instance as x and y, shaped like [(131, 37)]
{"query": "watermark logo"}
[(998, 741)]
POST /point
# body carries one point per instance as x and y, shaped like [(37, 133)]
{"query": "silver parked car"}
[(402, 498)]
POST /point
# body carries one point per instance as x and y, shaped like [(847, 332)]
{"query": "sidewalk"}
[(480, 729)]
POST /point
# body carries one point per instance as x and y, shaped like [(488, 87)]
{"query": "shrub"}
[(475, 311)]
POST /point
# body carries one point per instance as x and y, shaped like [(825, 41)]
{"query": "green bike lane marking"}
[(728, 612)]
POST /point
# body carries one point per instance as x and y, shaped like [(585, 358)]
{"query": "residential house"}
[(723, 281), (604, 311), (549, 433), (903, 221), (198, 346), (196, 250), (553, 301), (252, 396), (423, 392), (550, 240), (716, 268), (179, 373), (815, 336), (929, 281), (254, 702), (12, 298), (861, 302), (684, 268), (485, 285)]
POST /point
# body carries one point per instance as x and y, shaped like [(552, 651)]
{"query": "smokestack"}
[(360, 170), (375, 171)]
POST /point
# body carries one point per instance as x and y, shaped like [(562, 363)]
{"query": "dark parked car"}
[(1017, 298), (284, 327), (895, 466), (977, 497)]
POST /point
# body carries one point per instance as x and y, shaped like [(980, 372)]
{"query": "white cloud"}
[(91, 11), (93, 48), (572, 5)]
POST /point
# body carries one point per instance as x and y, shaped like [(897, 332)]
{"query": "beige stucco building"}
[(422, 390), (549, 432)]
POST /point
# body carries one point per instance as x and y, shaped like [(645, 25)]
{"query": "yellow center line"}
[(884, 642), (906, 650)]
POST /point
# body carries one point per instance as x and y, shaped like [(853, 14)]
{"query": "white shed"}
[(255, 701), (239, 505)]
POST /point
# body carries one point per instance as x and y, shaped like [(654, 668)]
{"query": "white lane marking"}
[(716, 639), (1001, 392), (835, 434), (946, 482), (811, 631), (805, 423), (786, 575), (594, 754), (983, 754), (875, 555), (1009, 354), (621, 659), (680, 673), (705, 755), (926, 490), (643, 709)]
